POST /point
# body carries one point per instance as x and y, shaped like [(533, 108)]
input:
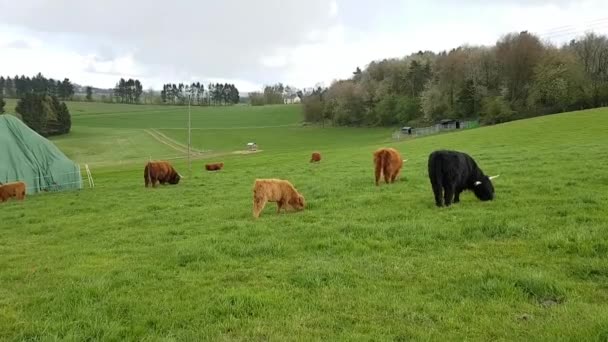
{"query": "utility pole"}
[(189, 136)]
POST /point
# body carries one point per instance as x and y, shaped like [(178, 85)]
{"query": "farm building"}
[(406, 130), (443, 125), (449, 124), (292, 100)]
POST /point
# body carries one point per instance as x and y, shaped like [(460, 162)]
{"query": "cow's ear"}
[(477, 183)]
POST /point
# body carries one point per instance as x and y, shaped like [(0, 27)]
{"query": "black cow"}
[(453, 172)]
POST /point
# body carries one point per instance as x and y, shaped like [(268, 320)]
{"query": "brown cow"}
[(388, 162), (162, 172), (316, 157), (275, 190), (14, 189), (214, 166)]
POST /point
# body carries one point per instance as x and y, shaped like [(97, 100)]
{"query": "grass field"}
[(188, 262)]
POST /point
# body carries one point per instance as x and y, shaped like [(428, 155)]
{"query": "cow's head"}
[(175, 178), (483, 189), (298, 202)]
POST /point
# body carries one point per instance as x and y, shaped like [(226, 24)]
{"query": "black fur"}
[(453, 172), (175, 179)]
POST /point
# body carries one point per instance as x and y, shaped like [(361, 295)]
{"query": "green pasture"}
[(188, 262)]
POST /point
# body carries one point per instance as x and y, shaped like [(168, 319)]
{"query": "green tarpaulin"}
[(27, 156)]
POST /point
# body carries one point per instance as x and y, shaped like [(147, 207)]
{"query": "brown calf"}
[(14, 189), (214, 166), (275, 190), (388, 162)]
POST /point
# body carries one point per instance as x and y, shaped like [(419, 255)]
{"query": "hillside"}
[(188, 262)]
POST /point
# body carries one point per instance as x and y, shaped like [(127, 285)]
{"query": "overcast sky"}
[(251, 43)]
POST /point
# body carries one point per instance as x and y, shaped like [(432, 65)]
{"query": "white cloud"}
[(16, 44), (277, 60), (333, 8)]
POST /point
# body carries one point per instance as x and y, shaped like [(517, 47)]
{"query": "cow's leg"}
[(437, 191), (394, 176), (457, 196), (258, 206), (378, 172), (448, 194), (280, 204), (387, 174)]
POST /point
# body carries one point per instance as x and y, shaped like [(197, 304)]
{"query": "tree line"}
[(519, 77), (125, 91), (217, 94), (18, 86), (273, 94)]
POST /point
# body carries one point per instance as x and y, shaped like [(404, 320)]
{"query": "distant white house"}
[(292, 100)]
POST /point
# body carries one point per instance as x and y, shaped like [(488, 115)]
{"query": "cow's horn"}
[(494, 177), (477, 183), (404, 160), (180, 176)]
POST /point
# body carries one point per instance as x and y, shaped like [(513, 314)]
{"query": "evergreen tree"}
[(137, 91), (64, 118), (44, 114), (89, 94), (9, 87), (32, 113)]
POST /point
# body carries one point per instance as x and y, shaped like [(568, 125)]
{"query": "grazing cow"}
[(214, 166), (388, 162), (162, 172), (14, 189), (316, 157), (275, 190), (453, 172)]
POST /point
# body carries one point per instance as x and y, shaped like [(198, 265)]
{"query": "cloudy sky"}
[(251, 43)]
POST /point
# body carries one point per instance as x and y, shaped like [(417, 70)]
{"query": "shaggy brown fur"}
[(14, 189), (316, 157), (160, 171), (388, 162), (214, 166), (275, 190)]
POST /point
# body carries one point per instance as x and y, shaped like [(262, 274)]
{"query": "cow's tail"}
[(147, 177), (436, 178), (378, 161), (387, 167)]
